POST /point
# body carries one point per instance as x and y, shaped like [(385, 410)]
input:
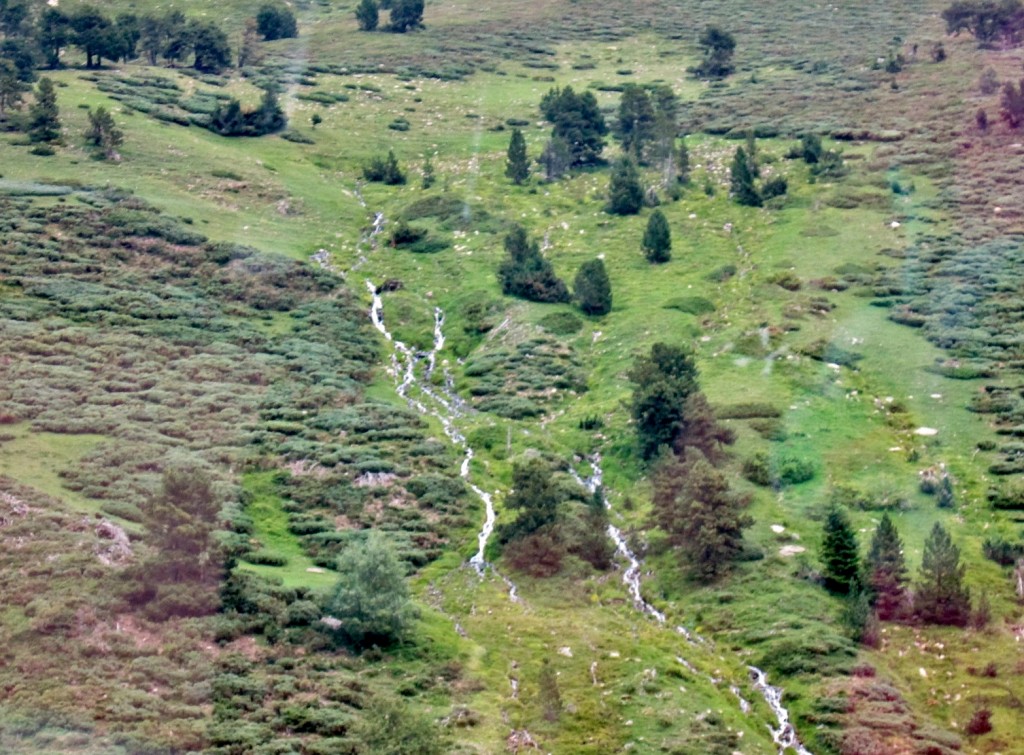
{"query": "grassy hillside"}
[(203, 301)]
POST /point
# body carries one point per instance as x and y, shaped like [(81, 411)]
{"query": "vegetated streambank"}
[(785, 736)]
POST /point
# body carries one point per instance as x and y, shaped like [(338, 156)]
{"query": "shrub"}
[(384, 170), (980, 723)]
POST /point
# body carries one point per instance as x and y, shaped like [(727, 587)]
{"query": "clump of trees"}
[(525, 273), (405, 15), (647, 128), (385, 170), (578, 122), (231, 120), (989, 22), (276, 22), (717, 48)]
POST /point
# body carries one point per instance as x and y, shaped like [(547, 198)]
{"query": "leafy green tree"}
[(405, 15), (625, 194), (742, 181), (535, 497), (717, 47), (887, 571), (94, 33), (556, 158), (210, 47), (635, 126), (840, 553), (941, 597), (517, 165), (53, 33), (657, 242), (663, 381), (44, 115), (367, 15), (694, 505), (371, 599), (11, 88), (103, 132), (275, 21), (525, 273), (578, 121), (592, 289)]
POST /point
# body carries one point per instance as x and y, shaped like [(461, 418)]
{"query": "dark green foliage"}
[(886, 571), (741, 181), (276, 22), (53, 32), (941, 597), (384, 170), (526, 274), (103, 132), (211, 51), (577, 121), (810, 148), (988, 22), (44, 116), (840, 553), (1002, 551), (779, 470), (371, 599), (406, 15), (774, 187), (657, 242), (663, 381), (367, 15), (717, 47), (944, 495), (96, 35), (231, 120), (11, 88), (625, 194), (517, 165), (692, 502), (592, 289), (536, 498), (635, 125)]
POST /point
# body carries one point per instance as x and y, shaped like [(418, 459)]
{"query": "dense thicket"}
[(526, 273), (578, 121)]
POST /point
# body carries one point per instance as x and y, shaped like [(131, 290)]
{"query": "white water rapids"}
[(445, 405), (785, 735)]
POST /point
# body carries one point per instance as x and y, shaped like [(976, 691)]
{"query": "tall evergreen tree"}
[(702, 516), (103, 132), (840, 553), (657, 243), (535, 497), (887, 570), (11, 88), (525, 273), (578, 121), (742, 181), (44, 115), (53, 33), (209, 46), (941, 597), (406, 15), (625, 194), (700, 429), (592, 289), (276, 22), (367, 15), (662, 382), (517, 166), (635, 126)]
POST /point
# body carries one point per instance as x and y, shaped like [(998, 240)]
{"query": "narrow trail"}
[(785, 735)]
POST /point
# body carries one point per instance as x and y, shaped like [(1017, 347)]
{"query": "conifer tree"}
[(11, 87), (625, 194), (886, 570), (635, 126), (742, 181), (682, 163), (525, 273), (702, 516), (840, 554), (657, 243), (367, 15), (44, 116), (941, 597), (592, 289), (103, 132), (517, 166), (663, 380)]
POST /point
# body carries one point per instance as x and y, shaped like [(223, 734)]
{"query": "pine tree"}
[(367, 15), (657, 243), (11, 88), (701, 430), (517, 166), (840, 553), (535, 496), (887, 571), (941, 597), (742, 181), (370, 598), (525, 273), (625, 195), (635, 126), (592, 289), (103, 132), (405, 15), (702, 516), (718, 46), (578, 121), (663, 381), (44, 116)]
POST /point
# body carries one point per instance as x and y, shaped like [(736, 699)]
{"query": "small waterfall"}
[(784, 736)]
